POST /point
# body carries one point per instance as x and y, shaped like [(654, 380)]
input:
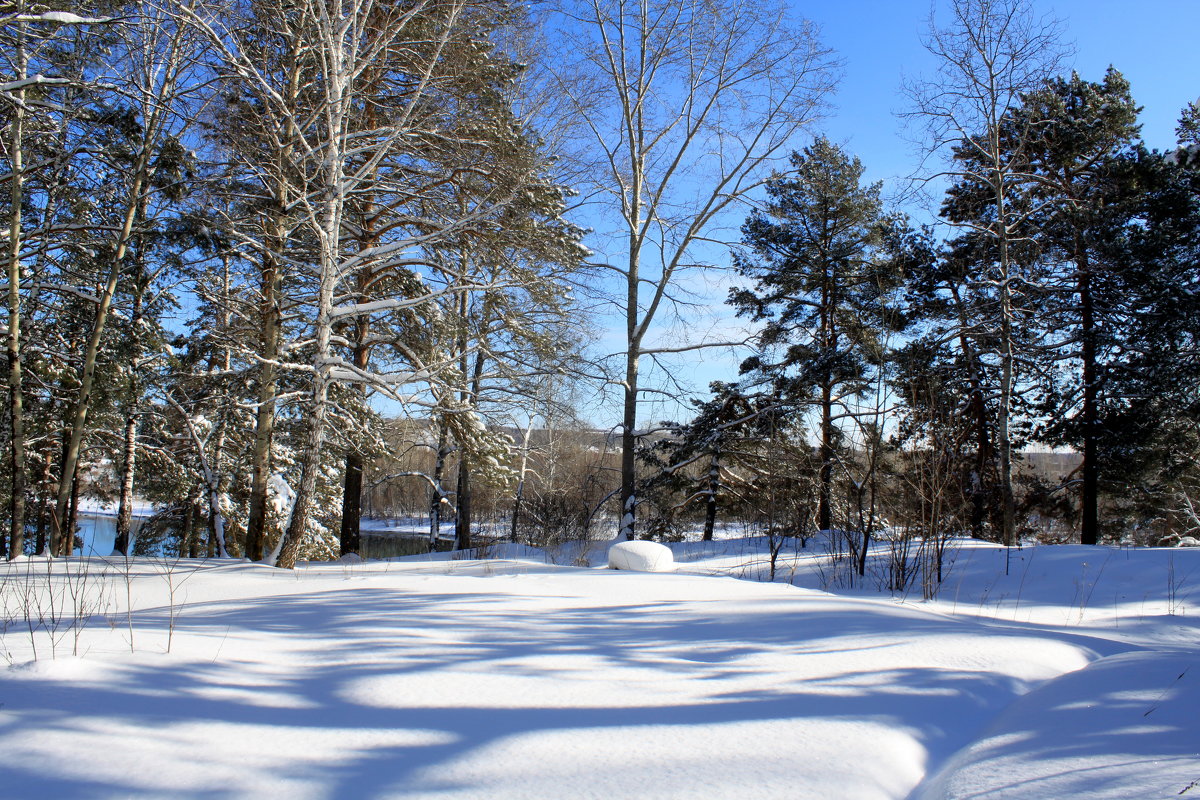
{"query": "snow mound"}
[(641, 557)]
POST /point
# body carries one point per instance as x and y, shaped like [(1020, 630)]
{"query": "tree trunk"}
[(462, 516), (629, 450), (264, 420), (1089, 490), (519, 493), (829, 341), (710, 505), (462, 525), (293, 536), (216, 517), (122, 543), (271, 315), (350, 534), (210, 546), (72, 513), (436, 495), (40, 543), (825, 480), (189, 530), (633, 340), (328, 230), (983, 448), (1007, 357), (16, 539)]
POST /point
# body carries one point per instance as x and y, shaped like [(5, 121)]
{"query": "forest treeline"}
[(266, 259)]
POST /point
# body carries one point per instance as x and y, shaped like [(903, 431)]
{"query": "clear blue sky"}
[(1155, 43)]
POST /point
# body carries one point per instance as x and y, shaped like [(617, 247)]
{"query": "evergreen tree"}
[(945, 376), (1080, 158), (821, 256), (713, 458)]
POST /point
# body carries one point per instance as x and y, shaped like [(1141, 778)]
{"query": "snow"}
[(1069, 675), (640, 556), (1122, 727), (61, 17)]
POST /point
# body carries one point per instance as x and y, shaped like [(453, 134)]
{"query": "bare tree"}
[(686, 106), (990, 53)]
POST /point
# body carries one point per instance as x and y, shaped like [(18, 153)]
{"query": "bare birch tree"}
[(686, 105), (989, 54)]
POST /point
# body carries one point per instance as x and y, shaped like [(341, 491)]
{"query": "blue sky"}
[(1153, 42)]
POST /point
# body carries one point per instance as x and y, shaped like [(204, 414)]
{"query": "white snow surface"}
[(1073, 675)]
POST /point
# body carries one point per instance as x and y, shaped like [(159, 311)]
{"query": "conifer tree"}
[(821, 257), (1080, 156)]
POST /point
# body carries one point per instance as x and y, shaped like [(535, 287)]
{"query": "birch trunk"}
[(328, 232), (17, 458), (122, 543)]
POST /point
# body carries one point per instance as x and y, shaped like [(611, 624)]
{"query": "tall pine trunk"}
[(1008, 510), (271, 317), (462, 520), (350, 536), (462, 516), (1090, 488)]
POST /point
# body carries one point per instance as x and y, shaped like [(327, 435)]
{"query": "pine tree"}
[(1085, 135), (945, 376), (712, 458), (819, 255)]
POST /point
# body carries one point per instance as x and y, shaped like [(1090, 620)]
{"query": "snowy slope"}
[(1123, 727), (519, 679)]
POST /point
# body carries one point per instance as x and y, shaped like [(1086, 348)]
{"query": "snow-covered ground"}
[(1073, 675)]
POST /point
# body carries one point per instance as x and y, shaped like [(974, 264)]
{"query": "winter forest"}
[(265, 261), (373, 330)]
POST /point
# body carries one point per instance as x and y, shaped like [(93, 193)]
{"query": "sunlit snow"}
[(1071, 675)]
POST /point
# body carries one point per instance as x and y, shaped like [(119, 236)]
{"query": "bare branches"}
[(684, 106)]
